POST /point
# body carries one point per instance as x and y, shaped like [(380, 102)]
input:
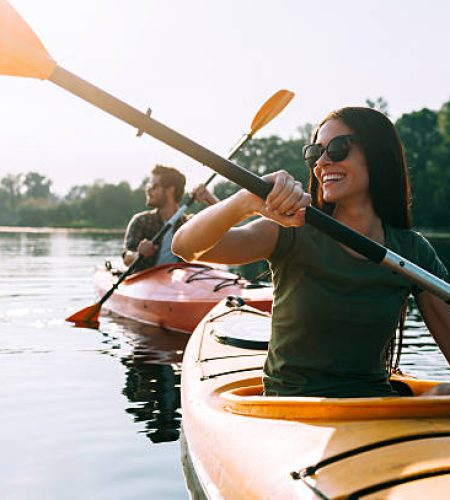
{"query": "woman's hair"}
[(389, 184), (171, 177)]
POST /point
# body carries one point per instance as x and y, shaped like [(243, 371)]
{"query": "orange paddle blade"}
[(87, 315), (21, 51), (91, 325), (271, 108)]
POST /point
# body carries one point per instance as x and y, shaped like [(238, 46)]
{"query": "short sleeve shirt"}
[(145, 225), (334, 314)]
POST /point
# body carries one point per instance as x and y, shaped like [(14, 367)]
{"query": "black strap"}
[(306, 473)]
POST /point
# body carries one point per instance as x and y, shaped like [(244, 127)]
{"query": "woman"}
[(334, 312)]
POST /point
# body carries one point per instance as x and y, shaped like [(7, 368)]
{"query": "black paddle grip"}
[(345, 235)]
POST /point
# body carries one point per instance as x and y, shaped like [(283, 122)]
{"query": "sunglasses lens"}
[(338, 148), (311, 154)]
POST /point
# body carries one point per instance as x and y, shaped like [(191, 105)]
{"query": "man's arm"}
[(203, 195), (135, 243)]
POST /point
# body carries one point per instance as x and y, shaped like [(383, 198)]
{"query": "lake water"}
[(95, 414)]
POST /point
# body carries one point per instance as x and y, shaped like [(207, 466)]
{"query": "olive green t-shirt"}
[(334, 314)]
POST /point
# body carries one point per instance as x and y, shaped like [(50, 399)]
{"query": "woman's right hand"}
[(211, 235), (286, 203)]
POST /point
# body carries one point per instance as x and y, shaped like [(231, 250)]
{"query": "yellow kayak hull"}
[(239, 444)]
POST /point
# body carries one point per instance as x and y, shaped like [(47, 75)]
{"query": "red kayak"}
[(177, 296)]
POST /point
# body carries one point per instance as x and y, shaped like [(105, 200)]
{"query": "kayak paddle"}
[(22, 54), (269, 110)]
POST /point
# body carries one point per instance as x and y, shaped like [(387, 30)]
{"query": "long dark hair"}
[(389, 184)]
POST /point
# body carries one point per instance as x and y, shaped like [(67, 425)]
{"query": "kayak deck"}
[(244, 445), (177, 296)]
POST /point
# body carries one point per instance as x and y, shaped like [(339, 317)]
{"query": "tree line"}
[(425, 135), (28, 200)]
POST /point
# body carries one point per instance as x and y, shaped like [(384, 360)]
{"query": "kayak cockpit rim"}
[(249, 400)]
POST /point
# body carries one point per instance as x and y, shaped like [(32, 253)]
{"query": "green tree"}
[(423, 143), (108, 205), (11, 187), (33, 212), (77, 193), (37, 186), (439, 168), (380, 104), (269, 154)]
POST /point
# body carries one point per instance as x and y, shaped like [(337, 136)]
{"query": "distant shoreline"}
[(76, 230), (429, 233)]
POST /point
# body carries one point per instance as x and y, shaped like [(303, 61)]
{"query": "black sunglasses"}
[(337, 150)]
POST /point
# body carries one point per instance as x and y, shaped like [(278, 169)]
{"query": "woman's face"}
[(346, 180)]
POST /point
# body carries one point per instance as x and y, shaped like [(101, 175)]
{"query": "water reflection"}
[(152, 376), (420, 355), (156, 391)]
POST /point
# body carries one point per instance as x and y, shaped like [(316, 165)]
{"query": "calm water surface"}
[(95, 414), (85, 414)]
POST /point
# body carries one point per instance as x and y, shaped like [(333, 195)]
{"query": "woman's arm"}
[(210, 236), (436, 314)]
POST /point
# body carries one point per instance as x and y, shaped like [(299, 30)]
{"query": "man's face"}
[(155, 193)]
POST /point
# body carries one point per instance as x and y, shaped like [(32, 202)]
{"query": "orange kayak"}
[(177, 296), (239, 444)]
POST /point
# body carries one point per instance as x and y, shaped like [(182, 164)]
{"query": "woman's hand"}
[(287, 201), (211, 234)]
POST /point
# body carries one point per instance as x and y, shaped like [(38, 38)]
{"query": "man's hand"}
[(202, 195), (146, 248)]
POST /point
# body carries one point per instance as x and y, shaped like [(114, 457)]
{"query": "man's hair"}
[(389, 184), (171, 177)]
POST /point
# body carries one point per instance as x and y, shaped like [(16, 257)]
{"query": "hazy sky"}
[(204, 67)]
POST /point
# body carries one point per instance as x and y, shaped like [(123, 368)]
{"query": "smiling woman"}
[(335, 313)]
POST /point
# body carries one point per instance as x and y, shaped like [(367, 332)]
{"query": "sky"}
[(204, 68)]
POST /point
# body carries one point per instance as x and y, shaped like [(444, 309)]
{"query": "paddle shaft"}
[(144, 123), (246, 179), (243, 140), (377, 253)]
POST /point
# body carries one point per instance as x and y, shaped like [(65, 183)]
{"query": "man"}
[(163, 195)]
